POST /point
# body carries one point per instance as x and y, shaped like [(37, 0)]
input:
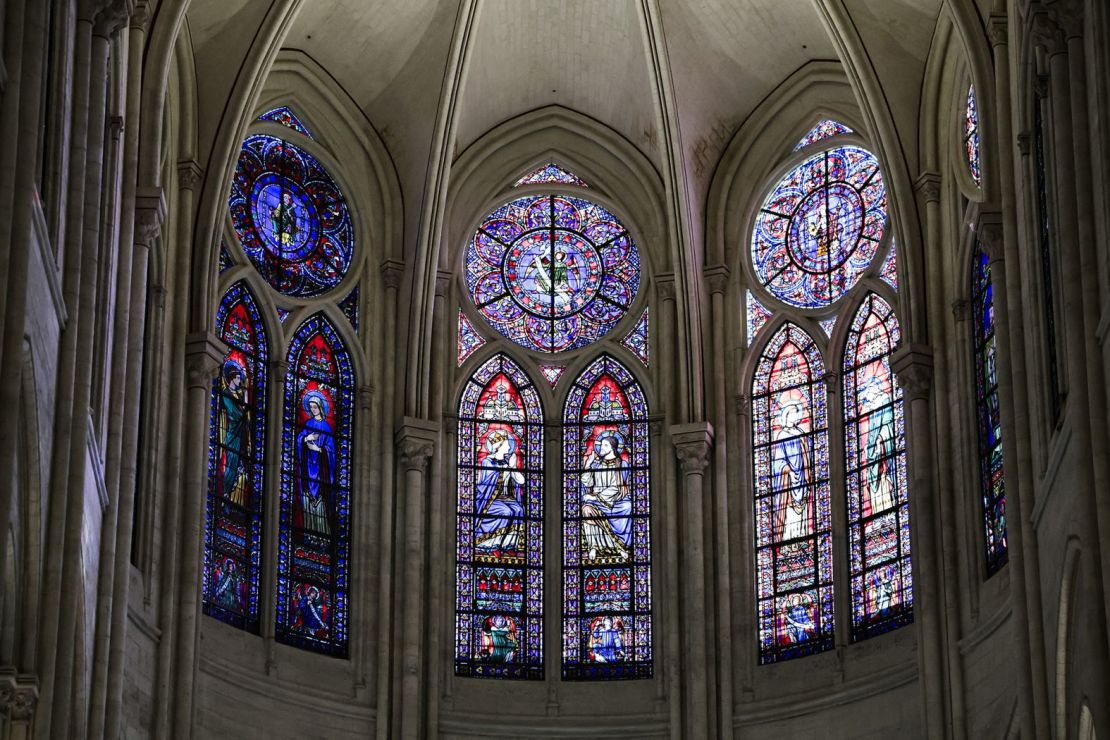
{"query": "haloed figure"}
[(607, 640), (606, 501), (316, 461), (498, 529), (234, 431), (499, 641)]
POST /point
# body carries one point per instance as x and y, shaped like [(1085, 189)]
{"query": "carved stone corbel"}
[(913, 366), (416, 442), (392, 272), (204, 354), (716, 278), (692, 444), (989, 231), (150, 213), (19, 695), (927, 186)]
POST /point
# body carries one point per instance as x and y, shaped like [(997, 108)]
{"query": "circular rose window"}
[(552, 273), (820, 227), (291, 218)]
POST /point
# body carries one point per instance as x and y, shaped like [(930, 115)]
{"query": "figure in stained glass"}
[(317, 457), (235, 432), (607, 500), (499, 493), (877, 421), (607, 640), (797, 624), (792, 467), (231, 587), (499, 640)]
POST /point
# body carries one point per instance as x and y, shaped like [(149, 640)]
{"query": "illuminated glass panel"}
[(971, 136), (820, 227), (469, 339), (291, 217), (877, 482), (606, 527), (829, 326), (794, 580), (889, 273), (637, 339), (350, 307), (282, 314), (499, 525), (236, 469), (552, 373), (992, 479), (758, 316), (226, 261), (825, 129), (285, 116), (314, 526), (550, 173), (552, 272)]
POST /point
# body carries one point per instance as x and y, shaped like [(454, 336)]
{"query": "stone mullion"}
[(745, 601), (277, 375), (836, 434)]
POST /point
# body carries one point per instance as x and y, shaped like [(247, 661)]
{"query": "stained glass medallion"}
[(606, 527), (550, 173), (971, 136), (552, 373), (793, 520), (499, 556), (877, 480), (286, 117), (291, 217), (825, 129), (820, 227), (552, 272), (236, 470), (758, 315), (637, 340), (469, 339)]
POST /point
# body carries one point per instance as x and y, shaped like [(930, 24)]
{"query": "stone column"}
[(19, 695), (204, 354), (913, 365), (416, 441), (693, 443)]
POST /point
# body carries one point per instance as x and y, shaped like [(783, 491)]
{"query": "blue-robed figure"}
[(607, 501), (311, 616), (316, 460), (791, 473), (497, 499), (606, 640)]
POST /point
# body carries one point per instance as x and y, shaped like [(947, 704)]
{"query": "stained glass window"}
[(282, 313), (889, 271), (606, 528), (226, 261), (637, 340), (550, 173), (350, 307), (499, 579), (824, 129), (1045, 247), (469, 339), (552, 272), (286, 117), (829, 326), (877, 482), (820, 227), (291, 217), (794, 580), (758, 315), (315, 514), (991, 476), (971, 136), (552, 373), (236, 470)]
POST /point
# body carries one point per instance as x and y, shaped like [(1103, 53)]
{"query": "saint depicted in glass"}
[(499, 583), (552, 272), (820, 227), (792, 517), (992, 479), (315, 514), (290, 217), (606, 527), (877, 483), (233, 515)]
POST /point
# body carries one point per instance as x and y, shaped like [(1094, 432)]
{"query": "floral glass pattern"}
[(637, 340), (236, 471), (470, 341), (889, 271), (552, 373), (550, 174), (499, 578), (820, 227), (285, 116), (877, 482), (794, 580), (314, 526), (606, 527), (971, 136), (552, 272), (825, 129), (992, 479), (291, 217)]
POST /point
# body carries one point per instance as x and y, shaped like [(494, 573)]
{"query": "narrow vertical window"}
[(792, 517), (877, 483), (237, 444), (315, 518), (992, 480), (606, 527), (971, 136), (499, 525), (1045, 247)]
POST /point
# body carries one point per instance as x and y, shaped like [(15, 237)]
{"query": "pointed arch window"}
[(315, 515), (877, 481), (606, 526), (992, 479), (499, 525), (792, 513), (237, 444)]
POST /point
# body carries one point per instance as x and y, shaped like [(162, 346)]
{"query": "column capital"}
[(927, 186), (115, 127), (997, 29), (279, 367), (1045, 31), (189, 174), (150, 213), (989, 231), (141, 15), (913, 365), (443, 283), (392, 270), (665, 281), (692, 443), (743, 405), (204, 354), (365, 395), (112, 16), (716, 277), (19, 694), (832, 381), (1025, 143), (416, 442), (960, 309)]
